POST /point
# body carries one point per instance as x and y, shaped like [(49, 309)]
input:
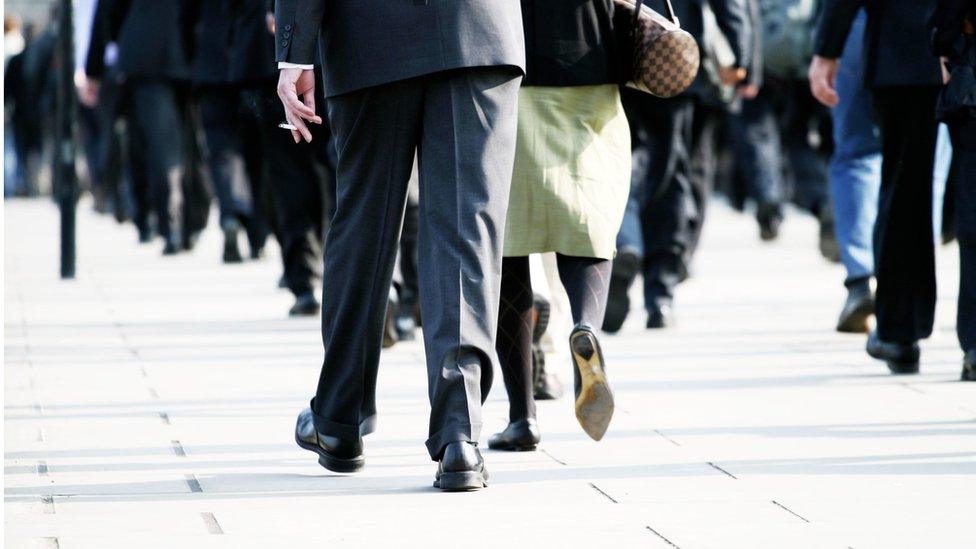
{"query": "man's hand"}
[(731, 76), (748, 91), (946, 75), (823, 80), (269, 20), (293, 83), (87, 89)]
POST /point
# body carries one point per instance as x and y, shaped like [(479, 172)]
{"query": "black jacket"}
[(896, 40), (252, 44), (946, 25), (209, 22), (151, 36), (569, 43)]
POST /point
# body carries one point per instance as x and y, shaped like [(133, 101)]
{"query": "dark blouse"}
[(569, 43)]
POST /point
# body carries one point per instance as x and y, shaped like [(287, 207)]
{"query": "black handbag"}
[(658, 56)]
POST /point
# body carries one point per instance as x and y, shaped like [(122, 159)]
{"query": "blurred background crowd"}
[(177, 111)]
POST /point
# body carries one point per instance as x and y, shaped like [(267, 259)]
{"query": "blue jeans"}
[(855, 169)]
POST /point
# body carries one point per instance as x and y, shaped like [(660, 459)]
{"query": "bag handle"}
[(668, 12)]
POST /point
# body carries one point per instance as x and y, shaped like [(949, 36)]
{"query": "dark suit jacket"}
[(150, 35), (373, 42), (946, 25), (896, 40), (569, 43), (210, 22), (252, 57), (733, 19)]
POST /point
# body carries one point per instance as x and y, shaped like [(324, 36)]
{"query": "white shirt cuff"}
[(283, 65)]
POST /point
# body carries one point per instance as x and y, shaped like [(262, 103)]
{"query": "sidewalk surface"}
[(151, 402)]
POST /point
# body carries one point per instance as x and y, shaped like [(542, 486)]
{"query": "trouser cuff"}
[(325, 426), (461, 432)]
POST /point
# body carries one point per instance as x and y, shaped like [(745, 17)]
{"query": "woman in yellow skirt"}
[(569, 191)]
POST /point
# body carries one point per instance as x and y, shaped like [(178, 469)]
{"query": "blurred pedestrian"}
[(904, 80), (396, 88), (665, 210), (954, 39), (152, 65), (569, 191)]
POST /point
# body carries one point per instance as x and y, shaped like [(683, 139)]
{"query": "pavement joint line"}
[(911, 387), (178, 447), (552, 457), (716, 467), (212, 525), (790, 511), (193, 483), (42, 468), (667, 438), (664, 539), (606, 495)]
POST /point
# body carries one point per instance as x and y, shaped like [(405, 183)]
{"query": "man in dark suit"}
[(904, 79), (152, 61), (440, 79), (665, 211)]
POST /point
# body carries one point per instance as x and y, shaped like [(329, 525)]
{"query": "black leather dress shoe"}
[(625, 267), (335, 454), (461, 468), (969, 366), (519, 436), (305, 305), (594, 399), (770, 217), (660, 316), (857, 310), (901, 358)]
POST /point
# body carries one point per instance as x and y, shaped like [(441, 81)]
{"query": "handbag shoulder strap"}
[(668, 12)]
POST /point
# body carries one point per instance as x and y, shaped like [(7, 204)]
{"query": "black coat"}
[(946, 25), (210, 23), (151, 36), (569, 43), (896, 40), (252, 44)]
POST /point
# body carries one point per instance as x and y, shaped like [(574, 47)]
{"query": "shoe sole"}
[(514, 447), (625, 268), (857, 321), (594, 405), (332, 463), (463, 481)]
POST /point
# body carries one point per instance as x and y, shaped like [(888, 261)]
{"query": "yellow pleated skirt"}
[(572, 172)]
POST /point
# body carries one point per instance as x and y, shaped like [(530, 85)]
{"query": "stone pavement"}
[(150, 403)]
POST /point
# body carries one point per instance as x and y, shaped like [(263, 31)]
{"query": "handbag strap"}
[(668, 12)]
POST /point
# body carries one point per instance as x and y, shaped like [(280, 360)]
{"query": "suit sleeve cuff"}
[(284, 65)]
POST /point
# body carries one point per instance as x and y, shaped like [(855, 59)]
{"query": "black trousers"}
[(235, 157), (155, 154), (461, 125), (295, 180), (904, 246), (670, 198), (964, 164)]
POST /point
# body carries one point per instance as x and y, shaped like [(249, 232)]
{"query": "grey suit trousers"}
[(462, 126)]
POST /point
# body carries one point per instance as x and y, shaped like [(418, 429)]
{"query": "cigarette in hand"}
[(287, 126)]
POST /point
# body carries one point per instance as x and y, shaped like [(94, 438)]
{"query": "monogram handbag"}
[(657, 56)]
